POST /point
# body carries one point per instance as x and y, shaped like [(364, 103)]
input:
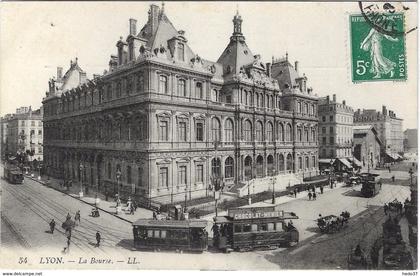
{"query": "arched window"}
[(269, 132), (307, 163), (214, 95), (300, 163), (313, 135), (229, 167), (228, 130), (199, 90), (129, 180), (257, 99), (249, 95), (288, 133), (182, 91), (270, 165), (215, 167), (259, 131), (281, 132), (289, 162), (299, 134), (163, 84), (215, 129), (248, 167), (261, 100), (247, 131), (260, 162), (299, 107), (281, 163), (306, 135), (109, 170), (305, 109), (313, 162)]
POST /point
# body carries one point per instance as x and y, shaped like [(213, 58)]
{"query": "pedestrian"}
[(389, 169), (52, 226), (106, 196), (294, 192), (68, 216), (77, 217), (98, 238), (393, 178), (310, 195), (386, 208), (154, 215), (131, 209), (313, 189), (67, 249), (314, 196), (321, 188)]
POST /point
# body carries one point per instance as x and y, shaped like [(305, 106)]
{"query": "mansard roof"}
[(285, 73)]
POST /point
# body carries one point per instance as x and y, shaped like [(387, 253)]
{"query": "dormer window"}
[(180, 52)]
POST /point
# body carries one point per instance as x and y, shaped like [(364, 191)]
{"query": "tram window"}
[(238, 228), (150, 233), (156, 233), (279, 226), (254, 227), (263, 227), (270, 226), (163, 234), (247, 228)]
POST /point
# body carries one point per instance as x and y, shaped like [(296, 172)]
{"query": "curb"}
[(75, 197)]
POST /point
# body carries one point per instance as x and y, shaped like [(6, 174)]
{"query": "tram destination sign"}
[(254, 213)]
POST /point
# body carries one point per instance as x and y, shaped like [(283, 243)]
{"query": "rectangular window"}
[(199, 173), (163, 234), (254, 227), (163, 177), (182, 175), (331, 118), (163, 84), (270, 226), (163, 131), (238, 228), (331, 140), (199, 131), (182, 131), (23, 123), (150, 233), (247, 228), (323, 118), (324, 130), (32, 123), (40, 132), (39, 123), (181, 88), (263, 227), (228, 99), (279, 226), (199, 90), (324, 140), (156, 233), (331, 130)]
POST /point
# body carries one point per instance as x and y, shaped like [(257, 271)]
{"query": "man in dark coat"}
[(322, 189), (310, 195), (98, 239), (314, 196), (52, 226)]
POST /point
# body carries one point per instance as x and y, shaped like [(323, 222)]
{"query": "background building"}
[(163, 123), (25, 133), (367, 146), (389, 129), (410, 140), (4, 121), (335, 131)]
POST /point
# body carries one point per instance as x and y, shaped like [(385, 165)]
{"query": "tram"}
[(13, 175), (243, 229), (371, 184), (181, 235)]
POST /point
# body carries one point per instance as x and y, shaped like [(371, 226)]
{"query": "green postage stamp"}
[(377, 54)]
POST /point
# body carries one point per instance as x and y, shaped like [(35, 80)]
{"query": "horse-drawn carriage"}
[(332, 223)]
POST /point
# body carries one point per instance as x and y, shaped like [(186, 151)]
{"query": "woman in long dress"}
[(379, 63)]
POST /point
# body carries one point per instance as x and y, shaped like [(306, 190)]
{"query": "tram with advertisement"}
[(13, 174), (245, 229), (371, 184)]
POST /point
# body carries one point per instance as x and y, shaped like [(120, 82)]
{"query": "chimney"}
[(59, 73), (384, 110), (344, 102), (154, 17), (95, 76), (296, 66), (133, 26), (268, 68), (328, 99), (334, 97)]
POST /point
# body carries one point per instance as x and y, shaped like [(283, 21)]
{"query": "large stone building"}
[(367, 146), (163, 122), (411, 140), (4, 121), (24, 133), (389, 128)]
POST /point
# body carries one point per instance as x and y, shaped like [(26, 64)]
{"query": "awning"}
[(345, 162), (392, 155), (325, 161), (356, 162), (399, 156)]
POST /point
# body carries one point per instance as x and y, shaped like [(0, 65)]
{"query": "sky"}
[(36, 37)]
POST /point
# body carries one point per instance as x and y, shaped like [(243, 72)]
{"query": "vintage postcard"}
[(209, 136)]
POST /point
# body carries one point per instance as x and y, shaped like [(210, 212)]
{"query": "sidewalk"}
[(105, 206)]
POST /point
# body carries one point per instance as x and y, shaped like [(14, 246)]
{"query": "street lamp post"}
[(81, 167), (118, 176), (273, 178), (331, 168), (39, 169)]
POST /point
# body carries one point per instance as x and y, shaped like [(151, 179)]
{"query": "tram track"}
[(85, 231)]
